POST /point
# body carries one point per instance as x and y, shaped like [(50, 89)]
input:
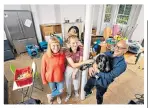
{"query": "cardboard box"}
[(58, 28), (47, 29)]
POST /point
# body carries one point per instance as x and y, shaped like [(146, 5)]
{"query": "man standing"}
[(105, 79)]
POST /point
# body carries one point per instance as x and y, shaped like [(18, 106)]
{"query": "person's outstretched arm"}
[(77, 65)]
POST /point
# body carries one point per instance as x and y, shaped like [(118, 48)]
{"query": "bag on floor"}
[(31, 101), (138, 100)]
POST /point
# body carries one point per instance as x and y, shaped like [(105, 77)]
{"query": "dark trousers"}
[(99, 92)]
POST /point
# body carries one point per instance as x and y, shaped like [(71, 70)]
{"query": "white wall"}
[(95, 15), (46, 14), (17, 7), (138, 34), (57, 13), (72, 12)]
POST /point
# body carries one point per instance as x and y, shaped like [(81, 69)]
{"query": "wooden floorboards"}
[(121, 91)]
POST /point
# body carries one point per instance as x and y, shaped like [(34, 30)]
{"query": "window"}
[(123, 14), (108, 11)]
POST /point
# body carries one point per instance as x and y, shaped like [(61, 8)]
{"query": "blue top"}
[(95, 47), (119, 66)]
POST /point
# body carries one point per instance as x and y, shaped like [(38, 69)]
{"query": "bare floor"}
[(121, 91)]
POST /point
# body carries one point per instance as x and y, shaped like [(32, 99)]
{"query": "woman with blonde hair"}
[(74, 56), (53, 68)]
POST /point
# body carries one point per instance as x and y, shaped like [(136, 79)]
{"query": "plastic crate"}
[(32, 50), (43, 45), (24, 81)]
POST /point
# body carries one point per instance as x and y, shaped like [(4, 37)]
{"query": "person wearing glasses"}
[(105, 79)]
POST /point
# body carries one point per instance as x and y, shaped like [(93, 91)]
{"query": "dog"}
[(103, 64)]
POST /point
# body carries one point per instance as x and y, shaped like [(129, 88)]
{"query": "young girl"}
[(53, 68), (74, 57)]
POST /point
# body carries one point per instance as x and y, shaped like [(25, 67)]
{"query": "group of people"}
[(60, 67)]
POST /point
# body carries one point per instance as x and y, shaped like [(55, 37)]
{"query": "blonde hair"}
[(71, 37), (51, 40)]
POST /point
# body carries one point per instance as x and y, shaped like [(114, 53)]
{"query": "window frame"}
[(131, 21), (124, 15), (107, 13)]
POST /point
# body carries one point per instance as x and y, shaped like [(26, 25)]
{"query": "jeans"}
[(92, 81), (56, 88)]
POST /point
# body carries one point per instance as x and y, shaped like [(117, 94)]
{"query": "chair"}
[(35, 78), (138, 56), (12, 68)]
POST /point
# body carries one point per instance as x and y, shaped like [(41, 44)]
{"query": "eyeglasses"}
[(119, 48)]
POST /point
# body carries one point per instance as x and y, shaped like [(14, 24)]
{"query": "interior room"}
[(29, 28)]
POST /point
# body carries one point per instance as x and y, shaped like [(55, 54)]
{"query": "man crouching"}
[(106, 78)]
